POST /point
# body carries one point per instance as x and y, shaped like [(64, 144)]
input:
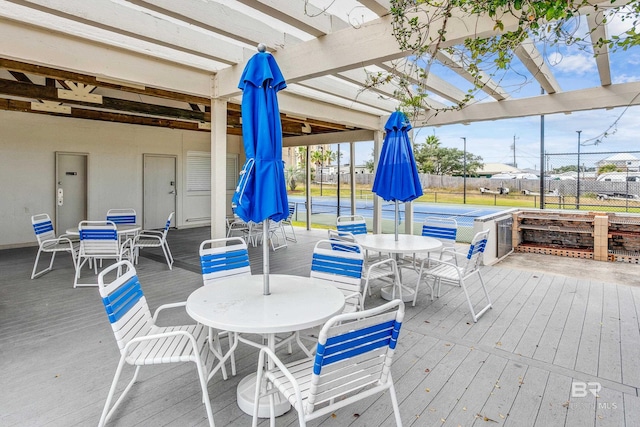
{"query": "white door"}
[(71, 190), (159, 189)]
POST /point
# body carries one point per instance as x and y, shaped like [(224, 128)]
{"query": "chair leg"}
[(205, 393), (477, 315), (168, 255), (415, 292), (394, 403), (35, 265), (106, 412)]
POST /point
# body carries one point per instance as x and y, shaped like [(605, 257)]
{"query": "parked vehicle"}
[(619, 176)]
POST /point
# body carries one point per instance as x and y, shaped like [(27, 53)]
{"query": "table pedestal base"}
[(387, 293), (246, 394)]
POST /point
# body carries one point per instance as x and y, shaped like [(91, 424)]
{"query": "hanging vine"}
[(421, 29)]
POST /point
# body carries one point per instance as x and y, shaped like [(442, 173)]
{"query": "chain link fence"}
[(603, 181)]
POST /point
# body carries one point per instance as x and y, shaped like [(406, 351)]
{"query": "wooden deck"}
[(515, 367)]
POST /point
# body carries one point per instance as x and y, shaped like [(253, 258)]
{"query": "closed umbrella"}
[(397, 174), (261, 194)]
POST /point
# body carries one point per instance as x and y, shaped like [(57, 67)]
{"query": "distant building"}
[(623, 161), (490, 169)]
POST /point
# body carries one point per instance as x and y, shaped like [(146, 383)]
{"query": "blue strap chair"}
[(354, 224), (48, 242), (384, 268), (220, 259), (142, 342), (352, 362), (443, 229), (340, 265), (99, 241), (458, 274), (122, 216)]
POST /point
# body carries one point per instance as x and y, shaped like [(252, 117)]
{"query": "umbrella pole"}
[(396, 224), (265, 256)]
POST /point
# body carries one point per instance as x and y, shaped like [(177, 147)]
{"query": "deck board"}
[(515, 366)]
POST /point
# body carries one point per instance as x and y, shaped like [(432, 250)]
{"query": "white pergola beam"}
[(299, 14), (352, 47), (599, 31), (433, 83), (328, 138), (218, 18), (40, 46), (534, 62), (120, 19), (379, 7), (490, 87), (359, 75), (619, 95), (299, 106), (349, 92)]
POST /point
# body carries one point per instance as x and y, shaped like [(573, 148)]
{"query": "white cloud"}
[(625, 78), (576, 64)]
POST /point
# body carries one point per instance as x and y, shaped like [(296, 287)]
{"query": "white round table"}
[(406, 244), (237, 304)]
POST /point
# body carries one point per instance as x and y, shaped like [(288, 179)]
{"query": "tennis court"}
[(324, 210)]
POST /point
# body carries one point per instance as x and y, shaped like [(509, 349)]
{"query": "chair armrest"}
[(151, 232), (391, 261), (59, 239), (137, 237), (166, 306), (437, 262), (155, 337), (275, 360), (357, 296), (453, 253)]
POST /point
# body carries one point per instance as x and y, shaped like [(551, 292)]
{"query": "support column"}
[(218, 167), (307, 186), (378, 139), (352, 175)]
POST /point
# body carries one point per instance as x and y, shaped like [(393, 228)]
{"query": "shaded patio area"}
[(514, 367)]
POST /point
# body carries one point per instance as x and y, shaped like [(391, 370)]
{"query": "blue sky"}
[(573, 68)]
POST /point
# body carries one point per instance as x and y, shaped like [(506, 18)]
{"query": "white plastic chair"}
[(236, 227), (123, 216), (352, 362), (445, 230), (286, 223), (276, 234), (384, 269), (48, 242), (99, 241), (220, 259), (458, 274), (340, 265), (354, 224), (142, 342), (154, 239)]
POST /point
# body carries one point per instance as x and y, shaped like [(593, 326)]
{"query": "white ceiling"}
[(199, 47)]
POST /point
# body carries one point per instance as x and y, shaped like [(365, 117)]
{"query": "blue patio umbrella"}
[(261, 194), (397, 174)]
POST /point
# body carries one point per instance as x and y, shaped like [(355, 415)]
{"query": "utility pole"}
[(578, 183), (464, 171), (515, 165)]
